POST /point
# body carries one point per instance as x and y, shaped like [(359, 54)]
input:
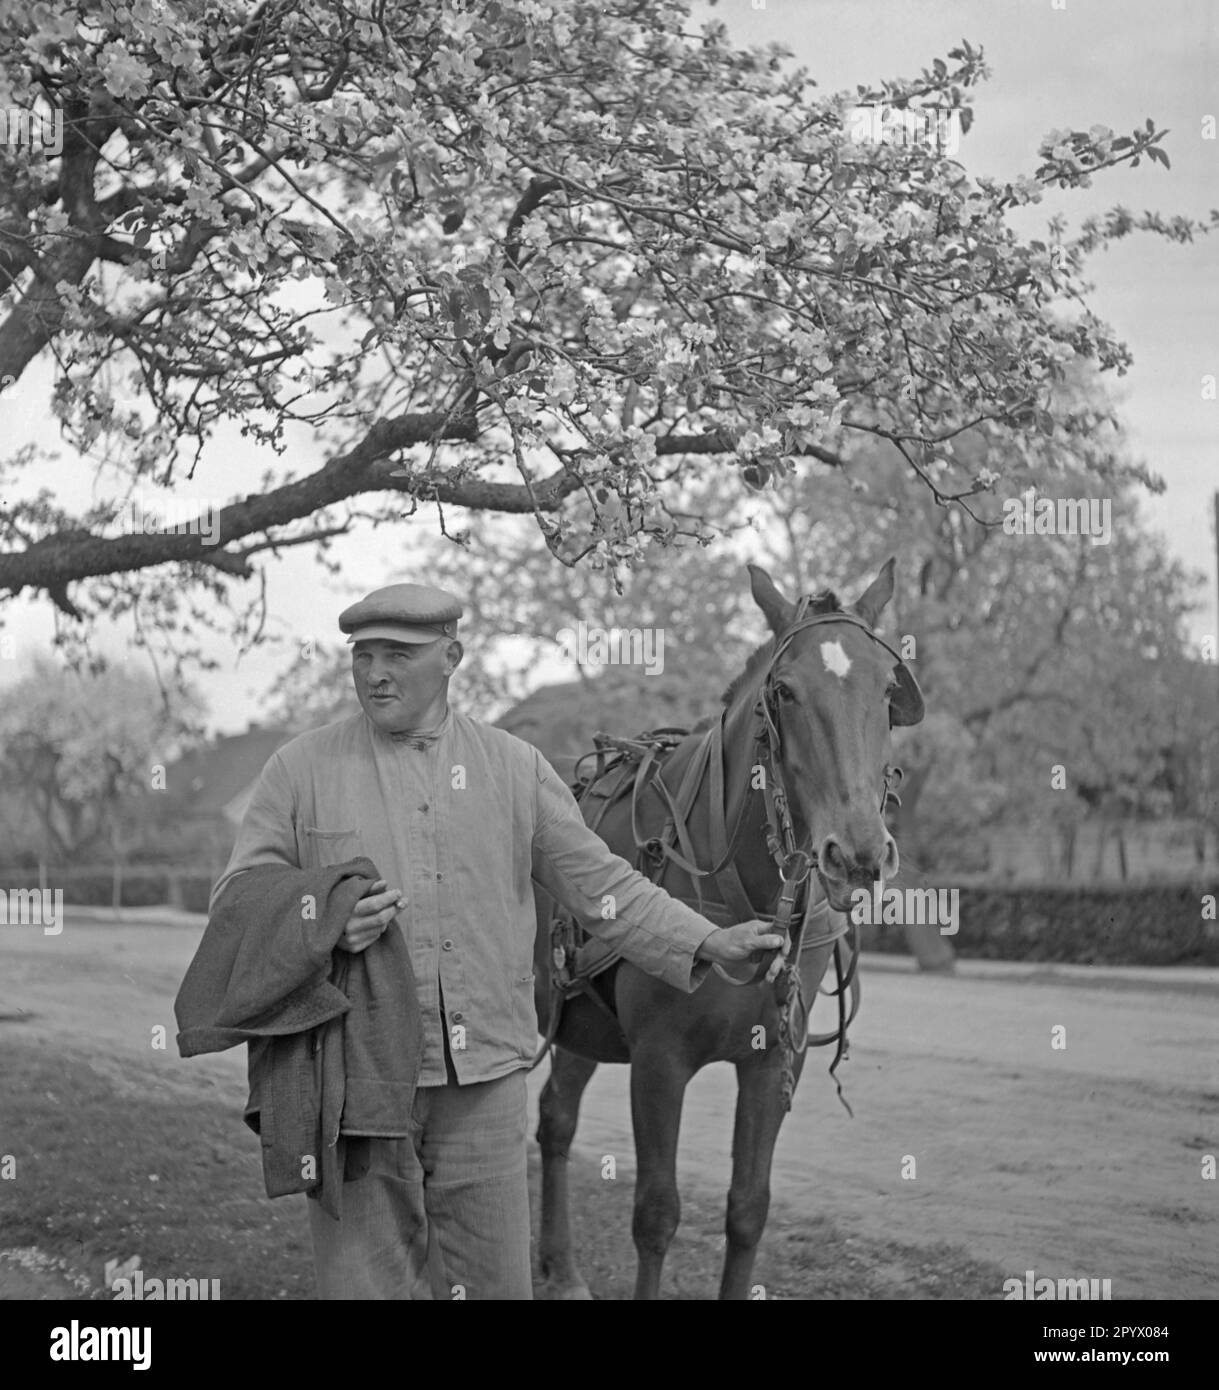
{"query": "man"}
[(458, 816)]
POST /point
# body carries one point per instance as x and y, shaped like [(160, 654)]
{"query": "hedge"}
[(1148, 924), (1080, 924), (140, 887)]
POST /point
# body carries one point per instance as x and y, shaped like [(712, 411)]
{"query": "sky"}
[(1056, 64), (1070, 66)]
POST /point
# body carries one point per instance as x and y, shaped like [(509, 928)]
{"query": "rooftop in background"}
[(217, 779)]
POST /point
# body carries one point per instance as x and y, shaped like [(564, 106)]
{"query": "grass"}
[(101, 1175)]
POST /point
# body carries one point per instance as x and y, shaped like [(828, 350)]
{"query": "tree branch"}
[(54, 561), (717, 443)]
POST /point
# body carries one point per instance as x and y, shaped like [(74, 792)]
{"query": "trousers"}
[(441, 1214)]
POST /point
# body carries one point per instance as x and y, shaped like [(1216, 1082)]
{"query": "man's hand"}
[(745, 941), (370, 916)]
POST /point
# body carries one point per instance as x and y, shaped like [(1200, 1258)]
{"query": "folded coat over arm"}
[(335, 1042)]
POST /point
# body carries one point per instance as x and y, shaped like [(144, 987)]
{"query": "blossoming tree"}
[(489, 254)]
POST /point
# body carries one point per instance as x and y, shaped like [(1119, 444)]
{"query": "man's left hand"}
[(745, 941)]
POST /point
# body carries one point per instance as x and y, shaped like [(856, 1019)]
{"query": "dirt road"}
[(1079, 1160)]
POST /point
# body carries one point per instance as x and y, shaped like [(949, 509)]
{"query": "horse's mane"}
[(824, 601)]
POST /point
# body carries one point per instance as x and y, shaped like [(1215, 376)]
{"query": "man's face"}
[(398, 683)]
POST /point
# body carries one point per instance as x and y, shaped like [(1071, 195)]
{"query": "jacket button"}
[(446, 945), (457, 1017), (439, 878), (424, 807)]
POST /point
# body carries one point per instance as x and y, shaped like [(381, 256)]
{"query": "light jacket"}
[(462, 823)]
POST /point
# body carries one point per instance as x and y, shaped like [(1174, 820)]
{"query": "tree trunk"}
[(927, 946)]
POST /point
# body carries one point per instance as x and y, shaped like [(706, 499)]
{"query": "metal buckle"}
[(784, 868)]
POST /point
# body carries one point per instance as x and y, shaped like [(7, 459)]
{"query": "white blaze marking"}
[(835, 659)]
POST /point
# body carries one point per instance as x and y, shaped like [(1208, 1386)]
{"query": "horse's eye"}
[(784, 691)]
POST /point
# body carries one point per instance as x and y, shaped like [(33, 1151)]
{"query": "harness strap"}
[(728, 878), (678, 808)]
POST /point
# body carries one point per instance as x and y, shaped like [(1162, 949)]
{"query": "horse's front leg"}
[(559, 1110), (759, 1115), (658, 1087)]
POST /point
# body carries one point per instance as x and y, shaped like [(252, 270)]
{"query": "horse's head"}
[(830, 692)]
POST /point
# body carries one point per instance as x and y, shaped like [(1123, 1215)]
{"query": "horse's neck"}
[(744, 755), (741, 753)]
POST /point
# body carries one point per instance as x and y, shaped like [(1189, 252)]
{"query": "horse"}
[(779, 813)]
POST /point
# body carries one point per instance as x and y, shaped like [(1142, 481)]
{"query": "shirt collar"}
[(423, 738)]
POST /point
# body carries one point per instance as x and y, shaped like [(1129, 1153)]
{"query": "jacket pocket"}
[(325, 847)]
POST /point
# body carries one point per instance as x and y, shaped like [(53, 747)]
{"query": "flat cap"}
[(403, 613)]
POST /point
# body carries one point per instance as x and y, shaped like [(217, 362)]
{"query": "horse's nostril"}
[(860, 866), (832, 857)]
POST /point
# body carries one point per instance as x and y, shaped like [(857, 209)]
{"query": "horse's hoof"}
[(572, 1291)]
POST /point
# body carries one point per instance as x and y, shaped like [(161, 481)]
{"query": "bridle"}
[(794, 863), (781, 838)]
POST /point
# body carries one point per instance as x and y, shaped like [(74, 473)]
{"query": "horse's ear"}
[(779, 612), (871, 602)]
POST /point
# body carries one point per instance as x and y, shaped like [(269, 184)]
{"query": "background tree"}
[(79, 760), (1033, 650), (498, 256), (519, 600)]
